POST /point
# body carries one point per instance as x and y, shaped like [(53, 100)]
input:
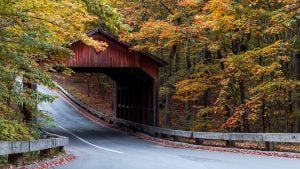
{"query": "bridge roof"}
[(113, 37)]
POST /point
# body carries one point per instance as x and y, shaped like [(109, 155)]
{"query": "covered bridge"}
[(136, 74)]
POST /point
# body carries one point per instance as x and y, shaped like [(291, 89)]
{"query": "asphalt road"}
[(98, 147)]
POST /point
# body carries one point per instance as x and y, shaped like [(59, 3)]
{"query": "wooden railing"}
[(16, 149), (268, 138)]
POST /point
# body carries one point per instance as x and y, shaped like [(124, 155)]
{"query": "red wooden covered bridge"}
[(136, 74)]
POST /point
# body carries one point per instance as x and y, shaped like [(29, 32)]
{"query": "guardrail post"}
[(269, 146), (60, 149), (199, 141), (163, 136), (230, 143), (45, 153), (158, 135), (15, 158), (175, 138)]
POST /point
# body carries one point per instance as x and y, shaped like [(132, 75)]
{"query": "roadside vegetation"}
[(233, 65), (34, 36)]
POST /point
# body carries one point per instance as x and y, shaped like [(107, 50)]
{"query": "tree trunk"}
[(242, 98), (168, 121), (220, 57), (26, 110), (235, 47), (187, 115), (188, 63), (296, 63), (263, 116), (207, 56)]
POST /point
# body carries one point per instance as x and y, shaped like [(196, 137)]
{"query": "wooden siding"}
[(115, 56)]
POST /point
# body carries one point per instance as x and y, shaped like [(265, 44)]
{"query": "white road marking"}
[(83, 140)]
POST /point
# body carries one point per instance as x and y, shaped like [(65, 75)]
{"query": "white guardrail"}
[(268, 138), (15, 149)]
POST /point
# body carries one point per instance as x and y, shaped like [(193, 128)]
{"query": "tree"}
[(34, 35), (236, 57)]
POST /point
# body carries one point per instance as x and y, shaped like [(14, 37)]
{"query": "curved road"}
[(98, 147)]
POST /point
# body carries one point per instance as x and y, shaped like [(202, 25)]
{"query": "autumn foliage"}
[(232, 60), (34, 37)]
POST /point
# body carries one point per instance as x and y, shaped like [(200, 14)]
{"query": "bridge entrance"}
[(136, 75)]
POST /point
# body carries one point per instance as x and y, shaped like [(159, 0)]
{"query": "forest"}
[(233, 65)]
